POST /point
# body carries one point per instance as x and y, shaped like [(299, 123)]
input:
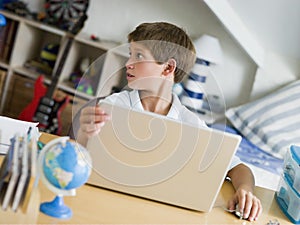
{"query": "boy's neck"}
[(159, 104)]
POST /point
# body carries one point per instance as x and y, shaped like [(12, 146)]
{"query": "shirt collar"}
[(174, 110), (135, 100), (137, 104)]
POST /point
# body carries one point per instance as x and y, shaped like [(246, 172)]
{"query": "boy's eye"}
[(139, 56)]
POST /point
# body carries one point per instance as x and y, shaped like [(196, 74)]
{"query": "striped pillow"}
[(273, 122)]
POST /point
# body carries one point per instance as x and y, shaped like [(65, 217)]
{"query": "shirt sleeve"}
[(234, 162), (191, 118)]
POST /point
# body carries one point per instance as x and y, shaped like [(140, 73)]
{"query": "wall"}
[(278, 70), (34, 5), (276, 25), (113, 19)]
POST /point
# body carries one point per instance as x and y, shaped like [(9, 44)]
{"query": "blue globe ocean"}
[(67, 165)]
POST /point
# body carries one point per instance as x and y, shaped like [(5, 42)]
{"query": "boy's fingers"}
[(92, 128), (92, 110), (92, 115), (231, 204), (256, 209)]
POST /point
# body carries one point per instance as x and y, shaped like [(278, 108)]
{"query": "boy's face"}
[(143, 72)]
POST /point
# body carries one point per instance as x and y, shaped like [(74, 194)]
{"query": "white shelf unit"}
[(32, 36)]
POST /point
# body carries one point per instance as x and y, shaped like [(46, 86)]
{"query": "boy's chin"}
[(139, 85)]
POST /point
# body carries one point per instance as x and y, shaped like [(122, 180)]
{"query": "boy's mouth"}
[(129, 75)]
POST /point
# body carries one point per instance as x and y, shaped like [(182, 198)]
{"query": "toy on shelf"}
[(45, 108), (83, 83), (62, 14), (44, 64), (2, 20), (18, 7)]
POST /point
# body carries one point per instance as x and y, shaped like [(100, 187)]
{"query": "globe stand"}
[(81, 159), (56, 208)]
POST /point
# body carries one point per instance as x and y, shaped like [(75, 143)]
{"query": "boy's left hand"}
[(248, 204)]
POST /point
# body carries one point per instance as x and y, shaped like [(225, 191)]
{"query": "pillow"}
[(273, 122)]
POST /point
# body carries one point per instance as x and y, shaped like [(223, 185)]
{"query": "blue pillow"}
[(273, 122)]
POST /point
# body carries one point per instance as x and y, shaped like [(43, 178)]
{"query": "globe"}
[(64, 166)]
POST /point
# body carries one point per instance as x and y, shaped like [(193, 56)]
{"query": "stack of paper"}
[(18, 169)]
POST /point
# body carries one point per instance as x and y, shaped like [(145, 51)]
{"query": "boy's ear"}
[(170, 67)]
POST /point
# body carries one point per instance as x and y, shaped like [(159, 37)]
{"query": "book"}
[(7, 39), (18, 169), (31, 178), (2, 81), (15, 172), (21, 185), (6, 167)]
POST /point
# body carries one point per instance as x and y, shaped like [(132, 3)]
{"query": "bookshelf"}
[(24, 41)]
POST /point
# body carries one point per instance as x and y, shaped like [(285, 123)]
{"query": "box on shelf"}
[(288, 193), (2, 80), (292, 167), (288, 200), (7, 38)]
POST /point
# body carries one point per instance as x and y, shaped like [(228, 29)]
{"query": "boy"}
[(161, 54)]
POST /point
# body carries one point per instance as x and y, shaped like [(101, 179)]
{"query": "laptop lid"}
[(152, 156)]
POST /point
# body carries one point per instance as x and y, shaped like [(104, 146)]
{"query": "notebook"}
[(154, 157)]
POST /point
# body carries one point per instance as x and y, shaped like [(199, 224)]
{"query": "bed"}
[(268, 126)]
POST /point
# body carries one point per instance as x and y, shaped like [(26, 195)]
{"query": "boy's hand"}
[(248, 204), (91, 120)]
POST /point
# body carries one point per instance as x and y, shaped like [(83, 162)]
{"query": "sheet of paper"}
[(9, 127)]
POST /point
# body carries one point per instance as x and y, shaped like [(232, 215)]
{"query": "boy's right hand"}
[(91, 120)]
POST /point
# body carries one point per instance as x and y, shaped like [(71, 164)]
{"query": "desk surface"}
[(97, 205)]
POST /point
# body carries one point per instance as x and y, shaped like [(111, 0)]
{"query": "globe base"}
[(56, 208)]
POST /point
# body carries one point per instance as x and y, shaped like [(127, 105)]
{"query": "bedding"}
[(266, 168), (271, 123), (253, 155)]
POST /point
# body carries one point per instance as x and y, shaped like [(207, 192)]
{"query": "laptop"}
[(154, 157)]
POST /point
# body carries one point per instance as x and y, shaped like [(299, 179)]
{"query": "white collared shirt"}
[(177, 111)]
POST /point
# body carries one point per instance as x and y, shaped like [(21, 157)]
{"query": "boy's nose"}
[(129, 65)]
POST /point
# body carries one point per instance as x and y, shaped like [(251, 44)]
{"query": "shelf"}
[(113, 47), (26, 72), (45, 27), (10, 15), (66, 86), (105, 45), (30, 40), (4, 65), (33, 23)]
